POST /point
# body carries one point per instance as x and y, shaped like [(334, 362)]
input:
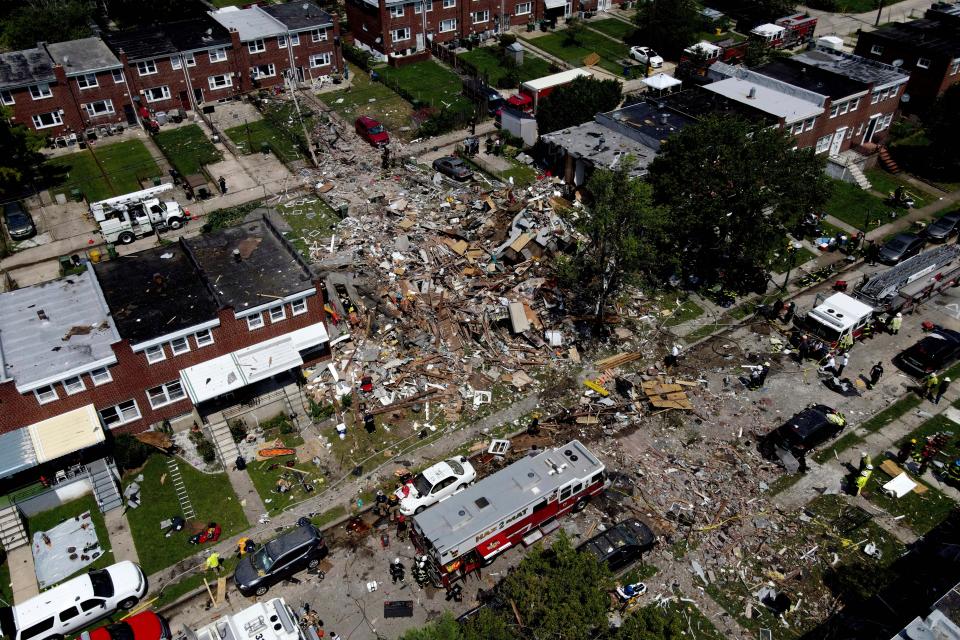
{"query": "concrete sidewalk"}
[(121, 540), (23, 576), (842, 24)]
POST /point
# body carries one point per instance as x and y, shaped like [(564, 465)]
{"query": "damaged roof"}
[(54, 330), (156, 41), (300, 15), (22, 68)]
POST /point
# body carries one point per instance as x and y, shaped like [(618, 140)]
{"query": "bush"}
[(347, 401), (320, 412), (357, 56), (130, 453), (204, 447), (506, 40), (238, 430)]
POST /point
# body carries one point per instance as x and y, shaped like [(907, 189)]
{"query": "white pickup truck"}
[(125, 218)]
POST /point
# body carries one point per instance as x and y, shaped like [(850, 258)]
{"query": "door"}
[(837, 141), (185, 100), (603, 5), (300, 75), (420, 41), (130, 114), (198, 95), (567, 9), (871, 127)]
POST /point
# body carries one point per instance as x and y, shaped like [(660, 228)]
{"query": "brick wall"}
[(107, 89), (856, 121), (925, 84), (132, 375), (25, 107), (165, 76)]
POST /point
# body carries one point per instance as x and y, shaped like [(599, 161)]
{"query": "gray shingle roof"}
[(22, 68), (87, 55)]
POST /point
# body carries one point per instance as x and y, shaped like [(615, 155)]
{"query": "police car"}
[(434, 484)]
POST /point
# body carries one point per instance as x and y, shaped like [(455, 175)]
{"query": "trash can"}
[(76, 194), (156, 181), (65, 264), (112, 251), (343, 210), (94, 256), (264, 148)]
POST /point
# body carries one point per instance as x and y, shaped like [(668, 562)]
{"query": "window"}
[(319, 60), (876, 49), (834, 110), (299, 306), (524, 8), (429, 6), (146, 67), (854, 104), (155, 353), (117, 76), (203, 338), (101, 376), (860, 128), (565, 493), (191, 61), (263, 71), (179, 345), (319, 35), (954, 66), (38, 629), (808, 123), (823, 143), (884, 121), (218, 55), (219, 82), (7, 97), (44, 120), (73, 385), (396, 11), (400, 34), (255, 321), (875, 98), (46, 394), (91, 604), (481, 16), (923, 63), (448, 25), (449, 4), (176, 63), (99, 108), (844, 107), (165, 394), (294, 39), (277, 313), (156, 94), (114, 417), (282, 42), (69, 612), (87, 81), (418, 8), (40, 91), (256, 46)]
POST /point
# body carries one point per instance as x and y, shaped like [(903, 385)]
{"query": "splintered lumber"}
[(618, 360), (665, 396), (403, 404), (156, 439)]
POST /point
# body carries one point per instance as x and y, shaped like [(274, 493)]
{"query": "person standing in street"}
[(930, 385), (842, 362), (942, 389), (875, 374), (223, 186), (830, 364), (895, 323)]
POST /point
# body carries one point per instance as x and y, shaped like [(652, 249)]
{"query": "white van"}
[(75, 604)]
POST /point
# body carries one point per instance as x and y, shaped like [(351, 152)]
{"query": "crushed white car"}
[(435, 484)]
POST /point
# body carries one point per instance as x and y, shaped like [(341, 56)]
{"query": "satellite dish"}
[(905, 98), (898, 62)]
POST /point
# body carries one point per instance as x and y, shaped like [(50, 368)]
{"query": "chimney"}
[(752, 93), (42, 314), (236, 255)]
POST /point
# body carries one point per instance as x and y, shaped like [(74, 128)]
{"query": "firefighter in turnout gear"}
[(420, 570)]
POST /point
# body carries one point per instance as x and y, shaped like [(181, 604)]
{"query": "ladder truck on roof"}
[(134, 215), (904, 286)]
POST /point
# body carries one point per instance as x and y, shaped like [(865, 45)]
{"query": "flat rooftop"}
[(264, 268), (156, 41), (853, 67), (771, 101), (155, 292), (142, 43), (22, 68), (51, 329), (251, 24), (800, 73), (299, 15), (602, 146), (932, 36), (87, 55)]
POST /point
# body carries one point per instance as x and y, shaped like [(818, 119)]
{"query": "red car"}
[(142, 626), (372, 131)]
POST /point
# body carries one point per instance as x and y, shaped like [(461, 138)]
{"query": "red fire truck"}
[(788, 31), (517, 505)]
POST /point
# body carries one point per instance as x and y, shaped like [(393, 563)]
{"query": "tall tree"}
[(577, 102), (622, 231), (27, 23), (941, 124), (21, 157), (748, 187), (668, 26)]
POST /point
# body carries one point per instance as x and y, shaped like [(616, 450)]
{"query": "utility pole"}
[(879, 11), (296, 103)]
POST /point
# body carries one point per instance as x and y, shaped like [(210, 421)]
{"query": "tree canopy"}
[(27, 23), (941, 125), (669, 26), (733, 189), (577, 102), (21, 158)]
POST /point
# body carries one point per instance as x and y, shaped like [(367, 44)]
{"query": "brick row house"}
[(173, 333), (71, 86), (397, 28), (927, 49)]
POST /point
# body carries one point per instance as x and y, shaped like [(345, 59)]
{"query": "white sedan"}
[(434, 484), (646, 55)]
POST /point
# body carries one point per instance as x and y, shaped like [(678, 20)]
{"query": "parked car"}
[(146, 625), (285, 555), (900, 247), (646, 55), (453, 167), (935, 352), (801, 433), (372, 131), (943, 228), (434, 484), (19, 223), (75, 604), (621, 545)]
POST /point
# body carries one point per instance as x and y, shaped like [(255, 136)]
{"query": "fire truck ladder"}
[(883, 286)]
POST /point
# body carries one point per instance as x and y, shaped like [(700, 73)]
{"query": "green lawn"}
[(781, 262), (921, 512), (612, 27), (857, 6), (430, 83), (6, 590), (886, 183), (522, 174), (490, 67), (311, 220), (266, 473), (279, 129), (879, 420), (50, 519), (611, 53), (855, 206), (213, 500), (104, 171), (372, 99), (687, 310), (711, 36), (187, 148), (170, 592)]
